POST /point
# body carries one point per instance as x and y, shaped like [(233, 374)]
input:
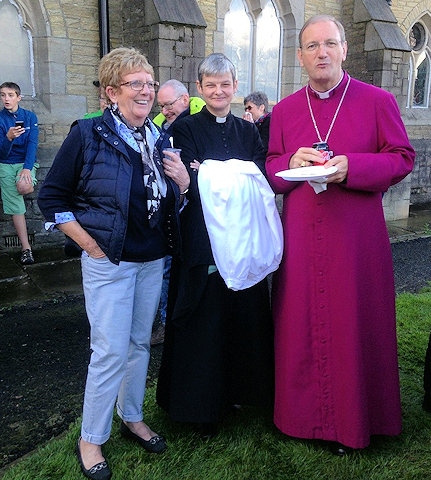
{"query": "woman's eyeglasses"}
[(138, 85)]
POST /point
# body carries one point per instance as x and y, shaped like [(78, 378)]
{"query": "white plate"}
[(301, 174)]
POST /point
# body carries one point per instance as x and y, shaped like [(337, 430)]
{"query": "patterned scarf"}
[(154, 180)]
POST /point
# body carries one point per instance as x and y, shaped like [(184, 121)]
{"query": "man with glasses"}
[(333, 295), (174, 102)]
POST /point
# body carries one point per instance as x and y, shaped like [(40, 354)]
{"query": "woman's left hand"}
[(174, 168)]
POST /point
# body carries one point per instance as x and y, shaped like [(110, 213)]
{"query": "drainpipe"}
[(104, 27)]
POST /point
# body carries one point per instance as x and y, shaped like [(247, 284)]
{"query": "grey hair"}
[(216, 64), (258, 98), (178, 87), (322, 18)]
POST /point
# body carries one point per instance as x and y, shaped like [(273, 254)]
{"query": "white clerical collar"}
[(220, 119), (327, 94)]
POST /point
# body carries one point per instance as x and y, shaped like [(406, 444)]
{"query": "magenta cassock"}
[(333, 295)]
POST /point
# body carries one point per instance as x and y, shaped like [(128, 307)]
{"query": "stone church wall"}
[(66, 50)]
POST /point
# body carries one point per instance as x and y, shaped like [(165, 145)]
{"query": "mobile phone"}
[(19, 123)]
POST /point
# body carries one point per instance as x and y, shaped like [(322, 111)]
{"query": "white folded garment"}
[(242, 221)]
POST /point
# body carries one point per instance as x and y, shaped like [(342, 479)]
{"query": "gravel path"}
[(412, 264)]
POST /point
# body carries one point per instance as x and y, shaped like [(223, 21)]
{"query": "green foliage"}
[(249, 447)]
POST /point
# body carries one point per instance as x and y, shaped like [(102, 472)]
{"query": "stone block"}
[(374, 60), (56, 50), (165, 53), (54, 81), (396, 201), (168, 32), (184, 48), (218, 42), (67, 108), (190, 69), (198, 47)]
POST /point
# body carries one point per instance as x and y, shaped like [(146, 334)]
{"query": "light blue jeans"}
[(121, 303)]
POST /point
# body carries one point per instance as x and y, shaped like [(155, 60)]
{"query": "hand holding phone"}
[(15, 131)]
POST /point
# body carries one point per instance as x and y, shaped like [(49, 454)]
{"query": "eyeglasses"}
[(313, 46), (138, 85), (247, 109), (169, 106)]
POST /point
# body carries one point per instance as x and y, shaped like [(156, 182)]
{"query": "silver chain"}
[(333, 118)]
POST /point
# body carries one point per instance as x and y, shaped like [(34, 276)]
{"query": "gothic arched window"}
[(420, 66), (237, 42), (268, 33), (252, 40), (16, 52)]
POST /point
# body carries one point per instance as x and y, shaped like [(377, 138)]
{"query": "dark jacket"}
[(262, 125), (91, 177), (24, 148)]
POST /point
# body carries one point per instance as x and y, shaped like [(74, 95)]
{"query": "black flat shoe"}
[(340, 450), (100, 471), (155, 444)]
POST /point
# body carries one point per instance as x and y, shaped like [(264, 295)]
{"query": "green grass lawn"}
[(249, 447)]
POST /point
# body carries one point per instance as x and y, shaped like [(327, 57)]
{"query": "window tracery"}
[(252, 40), (18, 67), (420, 65)]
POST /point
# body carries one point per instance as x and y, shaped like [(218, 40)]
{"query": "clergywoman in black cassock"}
[(218, 348)]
